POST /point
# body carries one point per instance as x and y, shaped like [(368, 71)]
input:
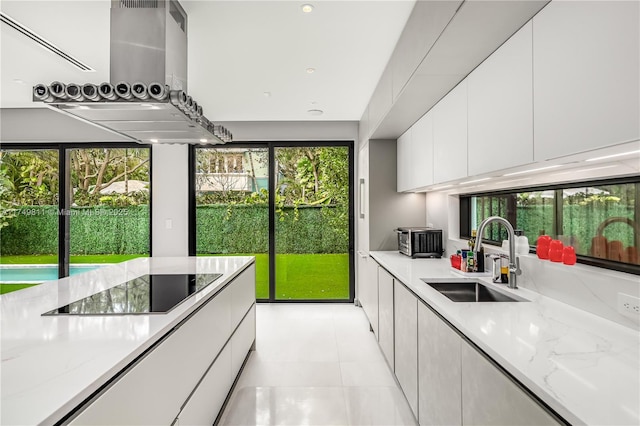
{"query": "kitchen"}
[(466, 129)]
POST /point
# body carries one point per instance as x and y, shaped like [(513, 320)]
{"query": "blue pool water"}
[(38, 273)]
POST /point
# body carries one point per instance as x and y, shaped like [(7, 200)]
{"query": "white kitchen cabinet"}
[(422, 152), (500, 107), (489, 397), (205, 404), (406, 343), (450, 135), (180, 370), (415, 155), (368, 290), (405, 162), (439, 390), (586, 68), (385, 315)]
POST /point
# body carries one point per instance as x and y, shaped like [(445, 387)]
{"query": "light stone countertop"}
[(50, 364), (583, 366)]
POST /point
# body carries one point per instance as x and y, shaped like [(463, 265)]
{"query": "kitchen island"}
[(144, 368), (580, 368)]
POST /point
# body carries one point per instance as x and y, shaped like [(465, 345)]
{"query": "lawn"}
[(298, 276)]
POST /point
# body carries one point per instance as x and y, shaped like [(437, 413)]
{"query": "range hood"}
[(146, 99)]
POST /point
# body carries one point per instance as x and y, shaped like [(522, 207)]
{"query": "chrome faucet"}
[(514, 262)]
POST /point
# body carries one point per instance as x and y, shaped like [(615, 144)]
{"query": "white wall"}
[(170, 200)]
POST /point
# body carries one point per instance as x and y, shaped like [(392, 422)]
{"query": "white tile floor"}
[(316, 364)]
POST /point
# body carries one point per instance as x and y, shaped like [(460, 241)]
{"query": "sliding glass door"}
[(287, 204), (312, 223)]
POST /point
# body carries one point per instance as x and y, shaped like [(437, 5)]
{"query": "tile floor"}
[(315, 364)]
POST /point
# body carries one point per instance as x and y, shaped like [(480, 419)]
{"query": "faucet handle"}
[(517, 270)]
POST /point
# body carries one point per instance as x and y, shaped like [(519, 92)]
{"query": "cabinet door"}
[(439, 368), (489, 397), (450, 135), (585, 69), (422, 152), (406, 343), (243, 294), (385, 315), (205, 403), (368, 288), (501, 107), (404, 161), (153, 391)]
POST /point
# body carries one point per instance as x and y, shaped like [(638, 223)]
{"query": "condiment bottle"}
[(555, 250), (542, 246), (522, 242), (470, 262)]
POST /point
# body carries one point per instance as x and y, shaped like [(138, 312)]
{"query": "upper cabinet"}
[(585, 76), (403, 148), (422, 152), (415, 155), (450, 135), (500, 102)]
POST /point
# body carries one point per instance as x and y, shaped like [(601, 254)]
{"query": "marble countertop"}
[(585, 367), (50, 364)]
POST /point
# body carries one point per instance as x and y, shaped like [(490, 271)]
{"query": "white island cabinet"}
[(127, 369)]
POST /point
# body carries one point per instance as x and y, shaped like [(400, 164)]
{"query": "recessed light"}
[(311, 70), (437, 188), (315, 112), (153, 140), (18, 81), (203, 140), (613, 155), (307, 8), (266, 94)]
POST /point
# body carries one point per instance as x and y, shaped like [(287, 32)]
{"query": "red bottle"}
[(555, 250), (542, 246), (569, 256)]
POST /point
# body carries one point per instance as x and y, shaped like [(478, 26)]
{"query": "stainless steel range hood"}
[(146, 99)]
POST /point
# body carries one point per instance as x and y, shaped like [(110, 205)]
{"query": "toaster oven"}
[(420, 242)]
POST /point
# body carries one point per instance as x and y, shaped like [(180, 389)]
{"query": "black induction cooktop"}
[(147, 294)]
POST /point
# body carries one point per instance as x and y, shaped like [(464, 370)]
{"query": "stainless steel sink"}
[(471, 291)]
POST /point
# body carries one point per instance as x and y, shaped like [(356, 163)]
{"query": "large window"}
[(601, 220), (68, 209)]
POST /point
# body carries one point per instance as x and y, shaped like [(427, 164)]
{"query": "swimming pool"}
[(38, 273)]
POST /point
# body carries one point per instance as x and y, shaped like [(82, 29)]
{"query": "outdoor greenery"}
[(583, 212)]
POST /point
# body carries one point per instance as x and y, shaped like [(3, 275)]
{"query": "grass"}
[(298, 276)]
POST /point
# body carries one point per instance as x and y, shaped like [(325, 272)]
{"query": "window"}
[(68, 209), (600, 219)]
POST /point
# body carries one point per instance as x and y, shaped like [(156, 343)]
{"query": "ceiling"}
[(248, 60)]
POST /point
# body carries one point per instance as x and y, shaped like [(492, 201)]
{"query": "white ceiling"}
[(238, 50)]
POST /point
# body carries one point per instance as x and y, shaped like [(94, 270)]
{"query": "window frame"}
[(466, 211)]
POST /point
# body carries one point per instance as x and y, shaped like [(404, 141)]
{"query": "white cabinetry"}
[(385, 315), (368, 290), (439, 370), (180, 372), (500, 103), (489, 397), (415, 155), (406, 343), (450, 135), (586, 70), (422, 152), (404, 168)]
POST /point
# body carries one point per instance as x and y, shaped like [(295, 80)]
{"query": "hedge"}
[(221, 229)]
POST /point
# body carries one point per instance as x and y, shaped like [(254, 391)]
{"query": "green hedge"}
[(94, 230), (221, 229), (244, 229)]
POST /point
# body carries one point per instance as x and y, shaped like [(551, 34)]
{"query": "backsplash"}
[(585, 287)]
